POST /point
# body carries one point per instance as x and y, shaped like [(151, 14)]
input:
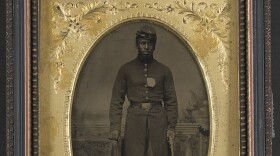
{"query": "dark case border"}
[(15, 78), (2, 77), (9, 80), (242, 78), (268, 79), (275, 56), (34, 77), (262, 78)]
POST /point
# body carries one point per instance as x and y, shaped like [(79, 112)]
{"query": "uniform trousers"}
[(145, 132)]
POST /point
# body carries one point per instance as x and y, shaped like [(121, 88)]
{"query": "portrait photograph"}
[(139, 78), (143, 83)]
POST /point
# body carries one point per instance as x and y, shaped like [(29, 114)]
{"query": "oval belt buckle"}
[(146, 106)]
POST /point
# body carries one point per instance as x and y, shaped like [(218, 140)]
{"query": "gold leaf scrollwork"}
[(68, 17), (115, 8), (212, 23), (71, 18), (210, 19), (167, 8)]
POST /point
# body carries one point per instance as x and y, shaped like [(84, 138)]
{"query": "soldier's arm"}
[(117, 100), (170, 100)]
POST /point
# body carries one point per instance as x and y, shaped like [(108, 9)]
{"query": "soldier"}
[(153, 111)]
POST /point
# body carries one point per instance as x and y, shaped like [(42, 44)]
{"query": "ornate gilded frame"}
[(34, 118)]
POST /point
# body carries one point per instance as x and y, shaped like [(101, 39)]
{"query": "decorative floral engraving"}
[(72, 18), (212, 24), (68, 16), (122, 7), (167, 8), (210, 19)]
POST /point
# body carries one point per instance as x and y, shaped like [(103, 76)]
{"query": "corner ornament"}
[(210, 19), (212, 23), (72, 18)]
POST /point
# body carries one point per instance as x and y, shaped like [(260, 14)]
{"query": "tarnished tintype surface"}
[(70, 31), (90, 108)]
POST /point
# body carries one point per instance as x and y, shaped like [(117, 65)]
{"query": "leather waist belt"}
[(146, 106)]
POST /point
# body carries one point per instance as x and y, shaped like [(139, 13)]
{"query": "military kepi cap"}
[(147, 32)]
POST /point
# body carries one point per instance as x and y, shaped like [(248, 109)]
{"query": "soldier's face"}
[(145, 47)]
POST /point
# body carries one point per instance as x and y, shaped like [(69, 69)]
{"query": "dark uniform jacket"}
[(132, 81)]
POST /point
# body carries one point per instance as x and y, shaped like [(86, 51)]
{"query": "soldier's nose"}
[(146, 45)]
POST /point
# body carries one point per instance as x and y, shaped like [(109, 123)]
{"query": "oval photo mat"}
[(90, 109)]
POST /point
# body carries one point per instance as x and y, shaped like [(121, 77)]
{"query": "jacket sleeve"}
[(117, 100), (170, 101)]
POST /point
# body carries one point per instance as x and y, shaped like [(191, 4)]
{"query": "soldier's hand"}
[(170, 135), (114, 135)]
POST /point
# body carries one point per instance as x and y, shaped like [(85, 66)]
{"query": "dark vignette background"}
[(275, 75), (2, 77)]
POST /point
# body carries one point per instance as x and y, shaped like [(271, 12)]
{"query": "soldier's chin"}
[(146, 56)]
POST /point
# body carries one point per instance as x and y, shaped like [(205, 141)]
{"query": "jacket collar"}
[(142, 60)]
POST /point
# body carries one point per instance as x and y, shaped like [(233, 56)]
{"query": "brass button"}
[(146, 85), (146, 64), (147, 92), (146, 75), (145, 69), (147, 98)]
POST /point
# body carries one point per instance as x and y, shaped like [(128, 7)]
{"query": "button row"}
[(146, 75)]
